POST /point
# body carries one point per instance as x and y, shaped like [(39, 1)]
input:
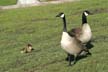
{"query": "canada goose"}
[(27, 49), (71, 45), (84, 33)]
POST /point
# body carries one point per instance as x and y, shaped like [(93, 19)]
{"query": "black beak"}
[(90, 13), (57, 15)]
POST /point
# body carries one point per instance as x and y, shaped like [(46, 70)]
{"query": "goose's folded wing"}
[(75, 32)]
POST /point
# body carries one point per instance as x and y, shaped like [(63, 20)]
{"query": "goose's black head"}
[(86, 13), (61, 14)]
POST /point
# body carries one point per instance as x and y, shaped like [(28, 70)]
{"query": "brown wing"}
[(75, 32)]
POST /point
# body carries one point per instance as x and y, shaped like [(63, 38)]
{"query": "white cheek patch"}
[(62, 15), (86, 14)]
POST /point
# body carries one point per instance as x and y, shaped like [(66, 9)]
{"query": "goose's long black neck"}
[(64, 25), (84, 19)]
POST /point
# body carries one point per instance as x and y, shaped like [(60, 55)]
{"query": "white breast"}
[(69, 44), (86, 33), (66, 39)]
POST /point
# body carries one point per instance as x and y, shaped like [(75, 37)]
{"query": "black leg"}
[(85, 51), (89, 45), (75, 59), (88, 53), (70, 59), (67, 58), (72, 62)]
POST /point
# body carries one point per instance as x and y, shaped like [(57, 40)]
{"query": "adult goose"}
[(69, 43), (84, 33)]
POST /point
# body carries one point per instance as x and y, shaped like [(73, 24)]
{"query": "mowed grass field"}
[(7, 2), (13, 2), (39, 26)]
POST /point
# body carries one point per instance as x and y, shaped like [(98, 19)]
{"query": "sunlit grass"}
[(40, 27), (7, 2)]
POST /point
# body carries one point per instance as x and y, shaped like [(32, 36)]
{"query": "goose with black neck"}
[(69, 43), (83, 33)]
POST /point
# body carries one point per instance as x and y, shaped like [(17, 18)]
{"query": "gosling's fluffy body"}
[(27, 49)]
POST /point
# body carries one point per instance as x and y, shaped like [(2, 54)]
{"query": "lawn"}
[(12, 2), (7, 2), (39, 26)]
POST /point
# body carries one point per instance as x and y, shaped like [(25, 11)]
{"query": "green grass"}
[(12, 2), (7, 2), (39, 26), (48, 0)]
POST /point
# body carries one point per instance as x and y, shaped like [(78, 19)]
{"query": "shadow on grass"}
[(89, 45), (78, 58)]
